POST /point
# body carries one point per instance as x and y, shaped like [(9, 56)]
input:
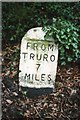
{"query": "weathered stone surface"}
[(38, 60)]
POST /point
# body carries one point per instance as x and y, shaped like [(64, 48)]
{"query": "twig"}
[(38, 113)]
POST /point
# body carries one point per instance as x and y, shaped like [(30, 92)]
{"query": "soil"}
[(63, 104)]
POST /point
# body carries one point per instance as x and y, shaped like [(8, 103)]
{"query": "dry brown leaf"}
[(27, 114), (13, 74), (14, 93), (7, 73), (9, 101)]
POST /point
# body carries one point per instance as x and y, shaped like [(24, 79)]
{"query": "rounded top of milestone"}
[(36, 33)]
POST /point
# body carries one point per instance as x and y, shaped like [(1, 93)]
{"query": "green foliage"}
[(66, 35), (18, 18)]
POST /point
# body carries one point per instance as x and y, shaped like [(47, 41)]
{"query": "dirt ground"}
[(63, 104)]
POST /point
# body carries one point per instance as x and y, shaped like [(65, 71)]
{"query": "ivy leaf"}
[(69, 59), (67, 47)]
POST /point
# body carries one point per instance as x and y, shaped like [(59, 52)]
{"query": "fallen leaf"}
[(7, 73), (14, 93), (9, 101), (27, 114)]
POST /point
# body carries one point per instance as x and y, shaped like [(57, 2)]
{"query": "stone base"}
[(34, 92)]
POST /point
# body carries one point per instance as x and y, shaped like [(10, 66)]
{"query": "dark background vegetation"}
[(18, 18), (62, 22)]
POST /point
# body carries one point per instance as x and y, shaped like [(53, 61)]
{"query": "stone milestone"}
[(38, 60)]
